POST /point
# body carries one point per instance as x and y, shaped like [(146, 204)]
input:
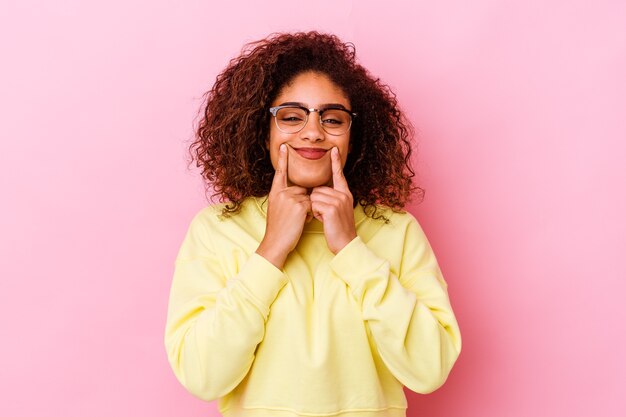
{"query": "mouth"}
[(310, 153)]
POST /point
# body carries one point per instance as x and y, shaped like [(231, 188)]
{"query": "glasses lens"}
[(336, 121), (291, 119)]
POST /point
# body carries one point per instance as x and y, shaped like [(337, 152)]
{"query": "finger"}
[(306, 205), (309, 210), (319, 208), (322, 189), (339, 181), (299, 198), (309, 207), (331, 196), (296, 190), (280, 176), (327, 195)]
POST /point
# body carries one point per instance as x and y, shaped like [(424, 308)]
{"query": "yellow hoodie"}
[(328, 335)]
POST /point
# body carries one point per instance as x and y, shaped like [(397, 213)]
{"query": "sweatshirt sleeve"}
[(215, 322), (408, 313)]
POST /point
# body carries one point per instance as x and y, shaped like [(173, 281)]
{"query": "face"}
[(309, 163)]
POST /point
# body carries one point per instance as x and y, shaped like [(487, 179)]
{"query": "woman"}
[(307, 291)]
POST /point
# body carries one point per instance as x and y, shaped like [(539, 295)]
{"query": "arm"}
[(408, 313), (214, 324)]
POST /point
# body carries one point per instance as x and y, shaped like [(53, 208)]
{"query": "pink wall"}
[(523, 118)]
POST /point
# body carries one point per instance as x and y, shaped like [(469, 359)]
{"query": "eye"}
[(291, 116), (331, 121), (288, 118), (333, 117)]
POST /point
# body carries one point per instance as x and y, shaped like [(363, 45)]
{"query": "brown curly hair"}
[(230, 139)]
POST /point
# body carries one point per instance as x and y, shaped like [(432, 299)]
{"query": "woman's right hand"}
[(287, 211)]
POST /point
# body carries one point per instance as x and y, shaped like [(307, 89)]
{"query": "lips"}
[(311, 153)]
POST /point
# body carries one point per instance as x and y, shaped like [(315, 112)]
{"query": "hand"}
[(334, 207), (287, 211)]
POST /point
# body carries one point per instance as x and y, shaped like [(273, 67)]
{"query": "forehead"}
[(312, 89)]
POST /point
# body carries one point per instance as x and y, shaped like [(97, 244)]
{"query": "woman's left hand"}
[(334, 208)]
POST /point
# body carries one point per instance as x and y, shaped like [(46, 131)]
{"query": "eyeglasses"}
[(292, 119)]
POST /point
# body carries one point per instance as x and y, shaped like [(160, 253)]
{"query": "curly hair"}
[(230, 139)]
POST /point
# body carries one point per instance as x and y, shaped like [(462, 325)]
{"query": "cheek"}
[(274, 156), (343, 151), (271, 145)]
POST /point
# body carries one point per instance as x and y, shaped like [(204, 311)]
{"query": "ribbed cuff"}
[(354, 261), (262, 279)]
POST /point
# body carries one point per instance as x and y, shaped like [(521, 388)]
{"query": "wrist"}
[(335, 250), (272, 255)]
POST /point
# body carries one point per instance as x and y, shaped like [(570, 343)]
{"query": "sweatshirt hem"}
[(287, 412)]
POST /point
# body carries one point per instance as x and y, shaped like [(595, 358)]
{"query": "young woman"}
[(307, 290)]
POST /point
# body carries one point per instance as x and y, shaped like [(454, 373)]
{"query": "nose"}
[(313, 128)]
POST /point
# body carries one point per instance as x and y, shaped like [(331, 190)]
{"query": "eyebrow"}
[(322, 106)]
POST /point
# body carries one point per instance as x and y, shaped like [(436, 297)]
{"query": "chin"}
[(310, 182)]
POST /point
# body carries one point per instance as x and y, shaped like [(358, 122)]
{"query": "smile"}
[(311, 153)]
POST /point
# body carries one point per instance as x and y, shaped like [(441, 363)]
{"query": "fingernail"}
[(335, 151), (283, 147)]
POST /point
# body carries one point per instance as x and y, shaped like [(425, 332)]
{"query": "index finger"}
[(339, 181), (280, 176)]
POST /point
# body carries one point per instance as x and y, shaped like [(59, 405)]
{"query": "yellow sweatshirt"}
[(328, 335)]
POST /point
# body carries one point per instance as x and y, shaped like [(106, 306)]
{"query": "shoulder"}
[(398, 226), (208, 215), (211, 225), (211, 233), (388, 218), (213, 214), (198, 238), (387, 226)]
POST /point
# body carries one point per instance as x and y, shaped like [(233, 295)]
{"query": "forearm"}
[(212, 336), (413, 327)]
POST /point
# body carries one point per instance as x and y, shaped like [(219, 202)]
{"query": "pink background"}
[(522, 115)]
